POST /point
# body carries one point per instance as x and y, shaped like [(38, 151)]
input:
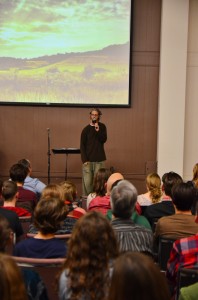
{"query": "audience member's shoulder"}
[(8, 213)]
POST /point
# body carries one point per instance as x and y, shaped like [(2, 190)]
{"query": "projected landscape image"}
[(65, 52)]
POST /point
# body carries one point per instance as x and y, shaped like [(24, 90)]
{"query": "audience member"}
[(102, 203), (189, 292), (195, 175), (183, 254), (26, 199), (34, 285), (131, 237), (32, 184), (70, 196), (87, 269), (154, 191), (182, 223), (99, 184), (136, 218), (9, 195), (12, 286), (165, 207), (136, 277), (6, 234), (55, 190), (48, 215), (13, 221)]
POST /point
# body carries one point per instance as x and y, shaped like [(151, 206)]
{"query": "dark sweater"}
[(92, 143)]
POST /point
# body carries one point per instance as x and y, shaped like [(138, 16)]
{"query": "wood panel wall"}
[(132, 132)]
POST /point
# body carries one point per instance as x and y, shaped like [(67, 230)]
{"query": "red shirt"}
[(21, 212), (101, 204)]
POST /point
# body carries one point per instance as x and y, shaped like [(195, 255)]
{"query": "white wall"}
[(172, 86), (191, 115)]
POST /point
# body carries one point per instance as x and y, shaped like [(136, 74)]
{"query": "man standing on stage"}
[(93, 155)]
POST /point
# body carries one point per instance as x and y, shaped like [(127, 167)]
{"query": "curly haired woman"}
[(87, 269)]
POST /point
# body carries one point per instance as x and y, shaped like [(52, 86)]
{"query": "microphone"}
[(48, 129), (94, 121)]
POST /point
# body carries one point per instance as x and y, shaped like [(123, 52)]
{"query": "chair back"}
[(164, 249), (186, 277), (47, 268)]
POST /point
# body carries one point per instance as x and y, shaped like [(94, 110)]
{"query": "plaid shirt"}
[(183, 254)]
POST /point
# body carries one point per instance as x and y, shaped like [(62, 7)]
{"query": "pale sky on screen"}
[(33, 28)]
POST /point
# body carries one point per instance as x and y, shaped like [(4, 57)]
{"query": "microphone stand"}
[(48, 154)]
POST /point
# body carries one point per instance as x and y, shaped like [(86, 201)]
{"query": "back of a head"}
[(11, 281), (112, 179), (18, 173), (153, 182), (70, 190), (100, 180), (184, 195), (9, 190), (195, 174), (169, 180), (91, 248), (135, 275), (25, 162), (49, 213), (123, 199), (92, 237), (5, 233), (53, 190)]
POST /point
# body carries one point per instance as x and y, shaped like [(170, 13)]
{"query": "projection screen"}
[(69, 52)]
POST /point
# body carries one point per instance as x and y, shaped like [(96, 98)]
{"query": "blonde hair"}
[(195, 175), (70, 190), (153, 183)]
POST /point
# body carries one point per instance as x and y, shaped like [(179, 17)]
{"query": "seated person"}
[(99, 184), (183, 254), (154, 191), (195, 175), (26, 199), (102, 203), (12, 286), (48, 215), (88, 267), (136, 277), (30, 183), (13, 221), (70, 196), (6, 234), (182, 223), (55, 190), (165, 207), (10, 195), (131, 237), (34, 286), (136, 218), (189, 292)]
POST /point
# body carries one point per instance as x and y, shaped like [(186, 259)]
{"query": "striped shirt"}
[(132, 237)]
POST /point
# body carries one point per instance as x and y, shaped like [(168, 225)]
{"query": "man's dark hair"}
[(169, 180), (25, 162), (9, 190), (18, 173), (184, 195)]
